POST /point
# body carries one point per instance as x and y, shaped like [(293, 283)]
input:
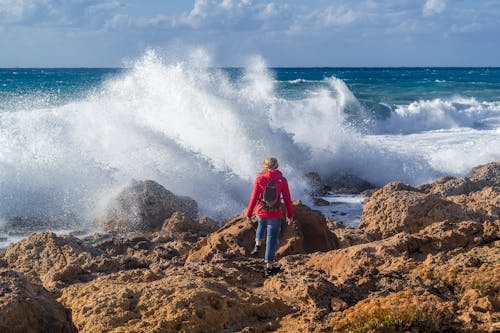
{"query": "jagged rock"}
[(391, 253), (142, 301), (309, 234), (488, 173), (480, 177), (348, 236), (398, 207), (485, 201), (25, 307), (43, 253), (144, 205), (57, 261), (402, 311), (180, 222)]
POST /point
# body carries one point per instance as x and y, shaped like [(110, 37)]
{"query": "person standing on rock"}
[(269, 187)]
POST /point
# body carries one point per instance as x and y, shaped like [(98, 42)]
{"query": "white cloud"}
[(338, 16), (432, 7), (56, 12)]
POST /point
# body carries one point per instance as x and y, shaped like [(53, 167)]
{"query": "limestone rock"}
[(180, 222), (140, 301), (25, 307), (309, 234), (398, 312), (485, 201), (144, 205), (398, 207), (46, 252), (480, 177), (488, 173)]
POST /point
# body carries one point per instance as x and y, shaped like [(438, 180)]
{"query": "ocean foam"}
[(200, 134)]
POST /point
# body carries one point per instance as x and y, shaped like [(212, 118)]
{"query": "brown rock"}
[(140, 301), (309, 234), (397, 312), (43, 253), (398, 207), (480, 177), (485, 201), (144, 205), (25, 307), (391, 254), (338, 304), (488, 173)]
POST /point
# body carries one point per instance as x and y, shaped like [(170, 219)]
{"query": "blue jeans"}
[(272, 226)]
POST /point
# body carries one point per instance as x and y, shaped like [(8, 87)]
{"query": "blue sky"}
[(95, 33)]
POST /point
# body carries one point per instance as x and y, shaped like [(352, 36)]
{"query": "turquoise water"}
[(370, 85), (71, 138)]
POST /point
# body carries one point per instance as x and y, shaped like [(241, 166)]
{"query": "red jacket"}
[(258, 190)]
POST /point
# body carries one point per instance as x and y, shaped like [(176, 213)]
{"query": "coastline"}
[(423, 258)]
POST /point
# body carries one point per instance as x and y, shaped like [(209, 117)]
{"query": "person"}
[(269, 218)]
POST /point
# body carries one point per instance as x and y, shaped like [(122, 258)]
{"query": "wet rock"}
[(144, 205), (25, 307), (398, 207), (348, 184), (321, 202)]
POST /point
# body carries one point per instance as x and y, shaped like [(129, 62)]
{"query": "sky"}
[(298, 33)]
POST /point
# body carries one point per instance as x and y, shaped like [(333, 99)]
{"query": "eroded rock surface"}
[(399, 207), (25, 307)]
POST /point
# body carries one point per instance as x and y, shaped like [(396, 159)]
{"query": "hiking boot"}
[(255, 250), (271, 271)]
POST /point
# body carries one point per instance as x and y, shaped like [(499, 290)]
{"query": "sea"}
[(71, 138)]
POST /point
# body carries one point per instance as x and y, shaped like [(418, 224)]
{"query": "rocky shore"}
[(424, 259)]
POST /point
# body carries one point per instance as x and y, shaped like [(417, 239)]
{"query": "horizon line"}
[(270, 67)]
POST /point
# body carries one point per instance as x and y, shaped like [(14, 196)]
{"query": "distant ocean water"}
[(70, 138)]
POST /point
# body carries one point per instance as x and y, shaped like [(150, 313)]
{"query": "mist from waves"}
[(198, 133)]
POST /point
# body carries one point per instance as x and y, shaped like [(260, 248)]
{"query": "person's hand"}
[(289, 221)]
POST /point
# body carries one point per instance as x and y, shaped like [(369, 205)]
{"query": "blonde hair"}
[(270, 163)]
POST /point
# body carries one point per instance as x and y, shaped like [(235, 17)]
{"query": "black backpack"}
[(271, 198)]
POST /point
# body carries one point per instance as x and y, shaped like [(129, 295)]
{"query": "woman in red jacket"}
[(269, 186)]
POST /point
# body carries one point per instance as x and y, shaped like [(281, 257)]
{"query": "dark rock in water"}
[(313, 179), (348, 184), (143, 206), (21, 226), (321, 202)]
